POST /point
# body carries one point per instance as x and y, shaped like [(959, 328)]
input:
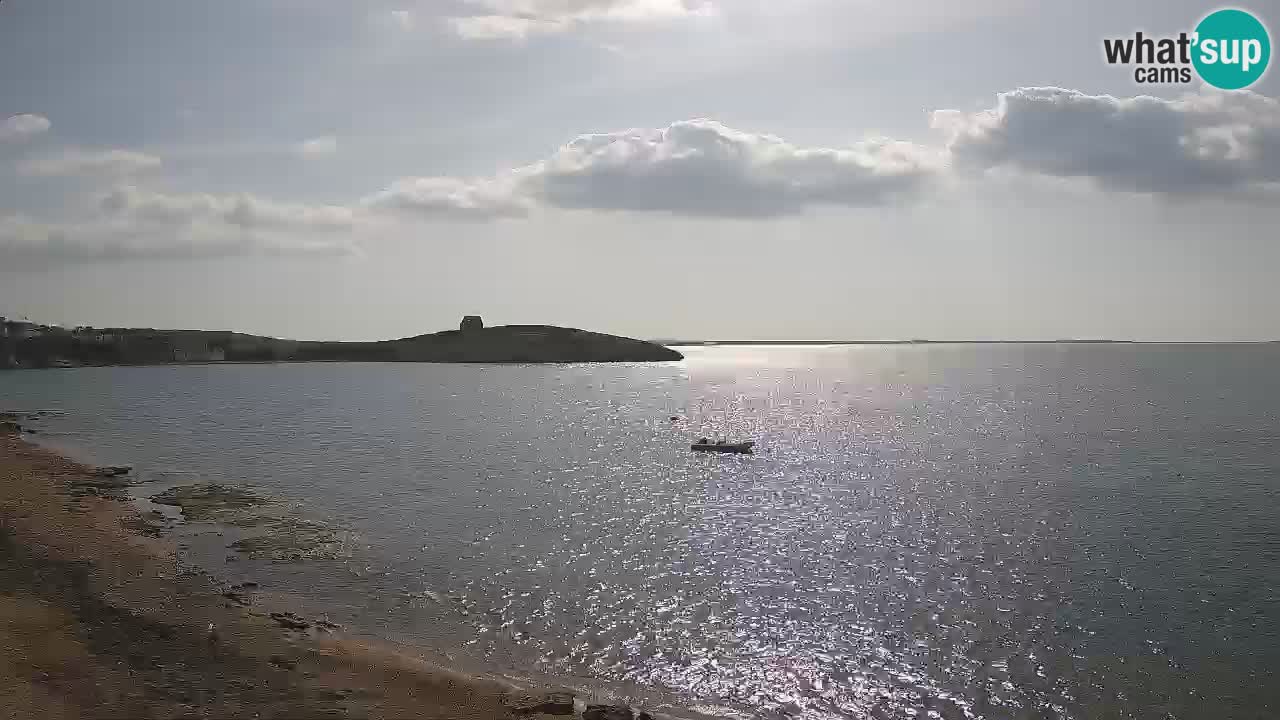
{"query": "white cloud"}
[(22, 238), (696, 167), (402, 19), (1201, 143), (500, 27), (318, 147), (85, 162), (452, 198), (701, 167), (134, 223), (516, 19), (1207, 143), (243, 211), (17, 127)]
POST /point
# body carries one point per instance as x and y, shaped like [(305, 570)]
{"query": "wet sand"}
[(97, 620)]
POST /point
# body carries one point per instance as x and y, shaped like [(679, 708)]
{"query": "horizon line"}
[(1064, 341)]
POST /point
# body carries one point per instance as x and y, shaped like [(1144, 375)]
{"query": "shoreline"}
[(98, 620)]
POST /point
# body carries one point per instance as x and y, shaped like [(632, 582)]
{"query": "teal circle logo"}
[(1232, 49)]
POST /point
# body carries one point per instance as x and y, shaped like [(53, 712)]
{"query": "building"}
[(471, 322), (86, 333), (20, 330)]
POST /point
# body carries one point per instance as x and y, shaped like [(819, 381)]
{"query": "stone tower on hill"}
[(471, 322)]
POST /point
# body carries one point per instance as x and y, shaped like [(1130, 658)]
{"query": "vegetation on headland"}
[(30, 345)]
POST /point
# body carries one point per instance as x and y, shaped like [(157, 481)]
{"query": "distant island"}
[(30, 345)]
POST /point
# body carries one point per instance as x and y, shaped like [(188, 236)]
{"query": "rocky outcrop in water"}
[(542, 703), (290, 620), (607, 712)]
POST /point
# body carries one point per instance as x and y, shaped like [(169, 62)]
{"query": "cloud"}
[(318, 147), (500, 27), (1208, 143), (452, 198), (73, 163), (243, 211), (517, 19), (402, 19), (1198, 144), (134, 223), (1201, 144), (695, 168), (17, 127), (25, 239), (701, 167)]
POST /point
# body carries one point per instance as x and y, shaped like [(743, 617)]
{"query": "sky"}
[(681, 169)]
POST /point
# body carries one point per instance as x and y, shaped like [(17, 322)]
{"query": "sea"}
[(924, 531)]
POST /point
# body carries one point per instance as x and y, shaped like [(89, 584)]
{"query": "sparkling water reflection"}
[(930, 532)]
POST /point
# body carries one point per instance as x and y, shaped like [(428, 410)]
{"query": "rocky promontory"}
[(26, 345), (505, 344)]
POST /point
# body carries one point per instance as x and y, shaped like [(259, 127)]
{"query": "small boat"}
[(742, 448)]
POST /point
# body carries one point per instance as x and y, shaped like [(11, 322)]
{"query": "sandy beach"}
[(98, 621)]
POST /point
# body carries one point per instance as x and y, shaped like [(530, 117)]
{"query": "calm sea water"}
[(1072, 531)]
